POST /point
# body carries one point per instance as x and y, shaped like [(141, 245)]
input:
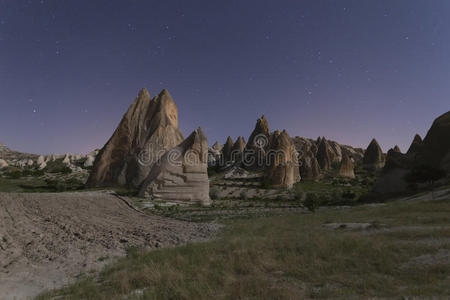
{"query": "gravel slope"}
[(46, 240)]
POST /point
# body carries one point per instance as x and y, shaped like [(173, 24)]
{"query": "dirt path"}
[(46, 240)]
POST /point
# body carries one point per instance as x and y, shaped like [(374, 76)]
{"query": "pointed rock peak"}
[(165, 92), (200, 132), (374, 145), (397, 149), (415, 145), (144, 93), (240, 140), (374, 141), (262, 124), (164, 98), (373, 156), (229, 140), (239, 144), (217, 146), (417, 139)]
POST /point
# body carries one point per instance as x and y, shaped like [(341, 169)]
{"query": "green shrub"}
[(266, 184), (244, 195), (214, 193), (349, 195), (311, 202), (57, 166), (14, 174)]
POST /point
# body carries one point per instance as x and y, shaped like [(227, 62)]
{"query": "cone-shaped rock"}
[(309, 168), (435, 150), (238, 149), (181, 174), (397, 149), (347, 167), (415, 145), (147, 130), (226, 150), (323, 155), (258, 143), (373, 157), (217, 146), (282, 171)]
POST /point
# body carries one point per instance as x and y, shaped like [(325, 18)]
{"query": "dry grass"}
[(290, 257)]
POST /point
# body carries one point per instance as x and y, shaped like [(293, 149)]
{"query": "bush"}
[(349, 195), (212, 172), (214, 193), (244, 195), (56, 185), (298, 194), (58, 167), (266, 184), (13, 174), (311, 202)]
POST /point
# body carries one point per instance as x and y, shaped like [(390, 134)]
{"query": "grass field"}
[(405, 251)]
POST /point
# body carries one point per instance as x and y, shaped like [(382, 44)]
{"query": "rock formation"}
[(415, 145), (3, 164), (237, 150), (226, 151), (433, 152), (283, 170), (323, 155), (373, 157), (309, 168), (347, 167), (435, 149), (214, 155), (217, 146), (256, 148), (397, 149), (147, 130), (40, 160), (89, 162), (181, 174)]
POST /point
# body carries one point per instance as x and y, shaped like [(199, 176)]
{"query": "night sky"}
[(349, 70)]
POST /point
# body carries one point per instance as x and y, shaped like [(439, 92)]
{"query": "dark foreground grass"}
[(290, 257)]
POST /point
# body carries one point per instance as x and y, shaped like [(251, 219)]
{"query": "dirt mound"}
[(46, 240)]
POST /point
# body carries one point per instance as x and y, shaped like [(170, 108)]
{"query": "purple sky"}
[(349, 70)]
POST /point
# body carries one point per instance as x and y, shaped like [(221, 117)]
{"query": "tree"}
[(311, 202), (425, 174)]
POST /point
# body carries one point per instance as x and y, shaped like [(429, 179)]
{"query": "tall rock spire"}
[(147, 130)]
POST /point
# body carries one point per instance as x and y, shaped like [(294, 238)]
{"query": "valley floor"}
[(390, 250)]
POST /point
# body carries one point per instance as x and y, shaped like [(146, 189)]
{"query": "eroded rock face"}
[(397, 149), (309, 168), (226, 151), (347, 167), (415, 145), (283, 169), (3, 164), (435, 150), (373, 157), (148, 130), (323, 155), (237, 150), (89, 162), (256, 148), (181, 174), (217, 146)]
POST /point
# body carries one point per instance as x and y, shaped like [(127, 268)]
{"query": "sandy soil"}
[(47, 240)]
